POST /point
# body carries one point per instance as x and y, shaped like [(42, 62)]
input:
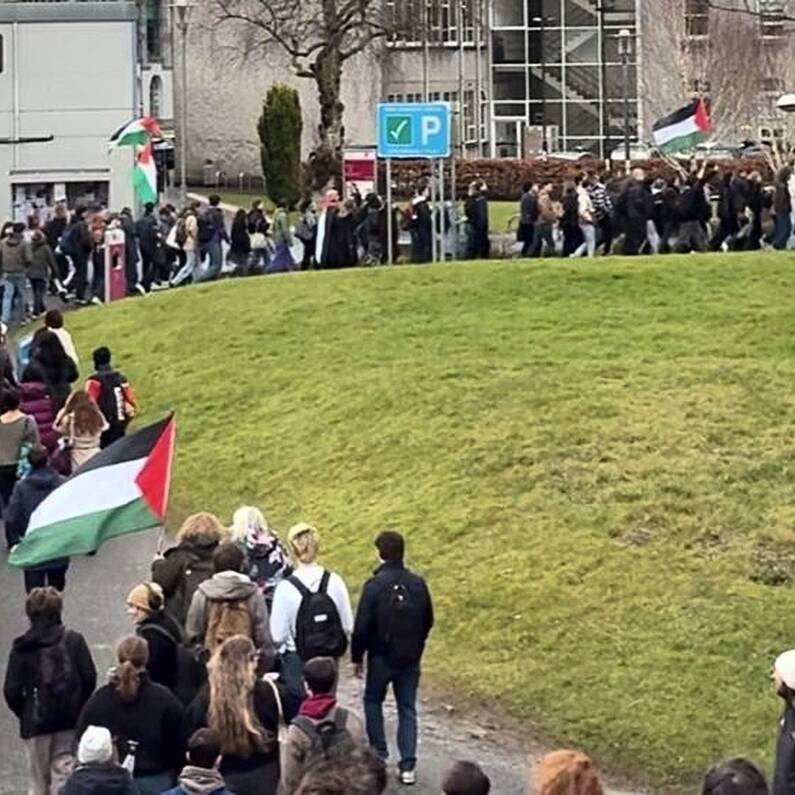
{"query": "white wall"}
[(75, 81)]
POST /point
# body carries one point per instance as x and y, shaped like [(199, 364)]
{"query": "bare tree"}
[(723, 62), (319, 37)]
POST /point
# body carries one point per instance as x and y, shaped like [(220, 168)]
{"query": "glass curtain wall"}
[(556, 62)]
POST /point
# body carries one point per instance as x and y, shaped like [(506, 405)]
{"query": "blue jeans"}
[(188, 270), (781, 232), (405, 682), (14, 284), (292, 674), (215, 261)]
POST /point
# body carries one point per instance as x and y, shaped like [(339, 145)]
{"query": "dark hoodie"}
[(27, 495), (163, 636), (199, 781), (24, 672), (97, 779), (42, 265), (14, 254)]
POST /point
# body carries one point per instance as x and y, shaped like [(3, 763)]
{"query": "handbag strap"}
[(277, 696)]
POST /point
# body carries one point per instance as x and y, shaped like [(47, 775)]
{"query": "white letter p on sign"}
[(430, 126)]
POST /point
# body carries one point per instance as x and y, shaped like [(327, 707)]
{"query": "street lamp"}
[(181, 15), (542, 20), (625, 52)]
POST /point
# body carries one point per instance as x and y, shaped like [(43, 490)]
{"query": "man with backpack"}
[(228, 604), (312, 614), (212, 234), (394, 619), (113, 395), (49, 678), (322, 730)]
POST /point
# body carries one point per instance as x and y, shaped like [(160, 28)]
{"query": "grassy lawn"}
[(500, 212), (592, 462)]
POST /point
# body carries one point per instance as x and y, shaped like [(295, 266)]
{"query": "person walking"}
[(311, 614), (145, 607), (322, 727), (570, 220), (636, 208), (201, 776), (602, 211), (18, 434), (267, 561), (258, 226), (48, 364), (549, 213), (81, 425), (186, 238), (306, 232), (41, 271), (150, 244), (114, 396), (240, 247), (782, 211), (131, 258), (420, 227), (393, 621), (49, 677), (282, 259), (783, 679), (183, 567), (35, 402), (54, 230), (15, 259), (528, 216), (145, 719), (585, 214), (29, 492), (243, 710), (736, 776), (692, 213), (96, 772), (212, 236), (77, 243), (53, 321), (228, 604)]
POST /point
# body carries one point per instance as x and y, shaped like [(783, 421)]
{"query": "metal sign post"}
[(442, 215), (433, 209), (389, 218)]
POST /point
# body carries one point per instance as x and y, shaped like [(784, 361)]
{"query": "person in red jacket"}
[(114, 396)]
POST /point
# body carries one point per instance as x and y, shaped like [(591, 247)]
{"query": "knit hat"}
[(146, 596), (785, 668), (95, 746)]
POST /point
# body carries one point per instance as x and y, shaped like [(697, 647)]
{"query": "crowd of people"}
[(708, 209)]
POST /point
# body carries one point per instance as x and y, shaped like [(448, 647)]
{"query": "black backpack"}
[(111, 398), (400, 622), (318, 628), (56, 689), (206, 227), (329, 739)]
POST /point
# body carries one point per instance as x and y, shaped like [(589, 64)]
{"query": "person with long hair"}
[(81, 424), (49, 364), (245, 712), (145, 719), (566, 773), (183, 567), (267, 561)]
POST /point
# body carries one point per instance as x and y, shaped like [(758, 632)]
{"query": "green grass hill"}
[(592, 462)]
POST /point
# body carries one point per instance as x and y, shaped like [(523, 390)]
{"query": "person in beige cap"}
[(145, 607), (311, 597), (784, 684)]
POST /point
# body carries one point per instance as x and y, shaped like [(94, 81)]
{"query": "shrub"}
[(279, 129)]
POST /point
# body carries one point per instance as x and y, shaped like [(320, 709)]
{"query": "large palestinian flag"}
[(683, 129), (122, 489)]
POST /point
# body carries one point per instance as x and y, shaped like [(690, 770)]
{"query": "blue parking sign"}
[(407, 129)]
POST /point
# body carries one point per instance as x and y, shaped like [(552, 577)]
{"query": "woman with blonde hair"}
[(566, 773), (181, 570), (295, 642), (267, 561), (244, 712), (145, 719), (81, 424)]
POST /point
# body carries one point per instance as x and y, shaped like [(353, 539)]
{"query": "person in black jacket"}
[(528, 215), (782, 209), (50, 364), (96, 773), (145, 606), (145, 719), (754, 201), (150, 244), (636, 207), (28, 494), (50, 676), (784, 685), (692, 214), (420, 226), (240, 246), (394, 619), (736, 776), (730, 204)]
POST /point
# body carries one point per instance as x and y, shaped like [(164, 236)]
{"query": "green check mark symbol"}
[(398, 129)]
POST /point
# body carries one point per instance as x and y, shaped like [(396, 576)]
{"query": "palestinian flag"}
[(683, 129), (122, 489), (135, 133), (145, 175)]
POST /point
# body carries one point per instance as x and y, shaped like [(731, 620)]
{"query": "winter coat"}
[(163, 636), (298, 745), (782, 203), (199, 781), (35, 401), (28, 494), (54, 229), (784, 770), (23, 674), (635, 203), (97, 779), (58, 374), (42, 265), (366, 636), (147, 230), (528, 208), (692, 204), (241, 242), (155, 720), (548, 210), (267, 563), (263, 762), (228, 586), (15, 255), (172, 570)]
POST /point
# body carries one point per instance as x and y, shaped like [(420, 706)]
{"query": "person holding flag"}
[(139, 134)]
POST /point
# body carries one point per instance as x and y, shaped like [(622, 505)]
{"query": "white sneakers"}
[(408, 778)]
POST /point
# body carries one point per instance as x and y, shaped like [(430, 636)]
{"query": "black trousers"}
[(35, 578), (39, 287), (80, 281), (605, 226), (635, 237)]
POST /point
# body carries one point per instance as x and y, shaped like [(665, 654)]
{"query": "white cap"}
[(785, 668), (95, 745)]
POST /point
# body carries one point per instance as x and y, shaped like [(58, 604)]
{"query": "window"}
[(698, 85), (696, 17), (771, 18), (155, 96), (153, 24)]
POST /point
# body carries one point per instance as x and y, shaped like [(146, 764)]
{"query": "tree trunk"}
[(326, 160)]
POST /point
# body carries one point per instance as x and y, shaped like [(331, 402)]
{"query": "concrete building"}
[(71, 73)]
